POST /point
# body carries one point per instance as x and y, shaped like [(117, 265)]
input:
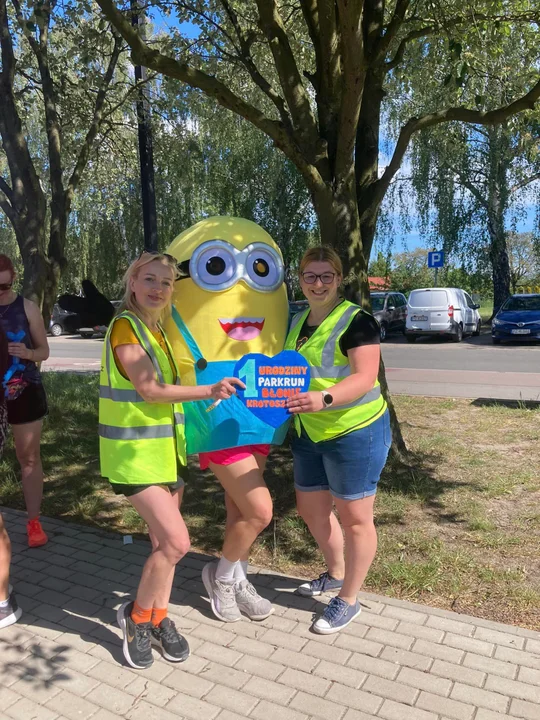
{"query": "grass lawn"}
[(459, 527)]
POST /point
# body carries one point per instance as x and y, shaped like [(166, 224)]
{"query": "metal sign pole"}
[(436, 275), (146, 154)]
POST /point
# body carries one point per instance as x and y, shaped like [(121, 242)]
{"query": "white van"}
[(441, 311)]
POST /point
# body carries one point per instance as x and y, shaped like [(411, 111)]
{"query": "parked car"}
[(99, 330), (449, 312), (63, 321), (390, 309), (518, 319)]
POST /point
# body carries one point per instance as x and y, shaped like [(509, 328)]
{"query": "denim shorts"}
[(348, 466)]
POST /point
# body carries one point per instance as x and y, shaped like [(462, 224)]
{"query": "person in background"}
[(344, 435), (10, 612), (27, 401), (142, 446)]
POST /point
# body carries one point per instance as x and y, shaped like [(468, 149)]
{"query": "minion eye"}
[(265, 268), (261, 268), (214, 265)]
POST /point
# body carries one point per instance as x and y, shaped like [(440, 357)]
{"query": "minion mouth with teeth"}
[(230, 300), (242, 328)]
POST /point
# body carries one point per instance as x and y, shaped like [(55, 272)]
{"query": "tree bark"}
[(499, 262), (497, 202)]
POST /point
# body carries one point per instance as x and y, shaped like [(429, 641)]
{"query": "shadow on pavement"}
[(70, 591)]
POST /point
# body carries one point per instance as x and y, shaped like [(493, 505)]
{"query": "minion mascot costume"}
[(230, 300)]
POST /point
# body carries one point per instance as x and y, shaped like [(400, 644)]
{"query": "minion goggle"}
[(216, 265)]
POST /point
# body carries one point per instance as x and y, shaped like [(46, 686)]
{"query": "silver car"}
[(390, 309)]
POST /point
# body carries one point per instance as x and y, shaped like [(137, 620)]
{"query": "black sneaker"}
[(10, 613), (136, 646), (173, 646)]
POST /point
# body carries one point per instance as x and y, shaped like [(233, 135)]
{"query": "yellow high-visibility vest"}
[(140, 443), (328, 365)]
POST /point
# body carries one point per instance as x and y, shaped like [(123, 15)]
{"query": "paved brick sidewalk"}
[(398, 661)]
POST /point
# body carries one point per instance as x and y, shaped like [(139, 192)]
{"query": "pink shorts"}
[(231, 455)]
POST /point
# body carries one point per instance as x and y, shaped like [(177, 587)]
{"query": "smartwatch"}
[(326, 398)]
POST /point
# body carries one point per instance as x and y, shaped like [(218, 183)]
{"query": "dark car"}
[(390, 309), (518, 319), (63, 321)]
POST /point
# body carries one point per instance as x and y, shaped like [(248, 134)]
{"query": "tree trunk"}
[(498, 251), (500, 265), (335, 220), (30, 233), (496, 205)]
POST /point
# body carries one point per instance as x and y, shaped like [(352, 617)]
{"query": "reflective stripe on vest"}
[(328, 369), (374, 394), (296, 319), (106, 392), (329, 349), (152, 432)]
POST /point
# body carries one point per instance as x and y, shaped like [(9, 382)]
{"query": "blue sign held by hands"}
[(269, 382)]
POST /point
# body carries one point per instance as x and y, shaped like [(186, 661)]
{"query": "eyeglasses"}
[(6, 286), (326, 278), (170, 258)]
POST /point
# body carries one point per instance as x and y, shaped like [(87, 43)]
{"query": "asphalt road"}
[(473, 369)]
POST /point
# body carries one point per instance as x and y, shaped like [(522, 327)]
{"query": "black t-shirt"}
[(363, 330)]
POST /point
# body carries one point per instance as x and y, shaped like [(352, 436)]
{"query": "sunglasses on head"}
[(182, 267), (171, 258), (6, 286)]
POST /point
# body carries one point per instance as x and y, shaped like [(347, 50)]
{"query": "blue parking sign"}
[(435, 259)]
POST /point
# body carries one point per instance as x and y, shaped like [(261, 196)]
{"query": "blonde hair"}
[(129, 301), (322, 253)]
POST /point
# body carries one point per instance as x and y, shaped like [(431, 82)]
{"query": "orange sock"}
[(140, 615), (158, 614)]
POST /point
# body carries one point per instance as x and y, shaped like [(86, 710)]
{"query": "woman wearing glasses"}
[(142, 446), (343, 434), (26, 398)]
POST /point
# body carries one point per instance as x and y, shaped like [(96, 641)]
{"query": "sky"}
[(414, 239)]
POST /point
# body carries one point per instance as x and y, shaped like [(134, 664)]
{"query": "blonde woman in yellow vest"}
[(343, 434), (142, 446)]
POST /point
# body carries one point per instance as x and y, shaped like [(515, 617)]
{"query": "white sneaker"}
[(222, 595), (10, 612), (251, 603)]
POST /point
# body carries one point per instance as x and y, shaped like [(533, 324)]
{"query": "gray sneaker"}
[(324, 583), (221, 594), (251, 603)]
